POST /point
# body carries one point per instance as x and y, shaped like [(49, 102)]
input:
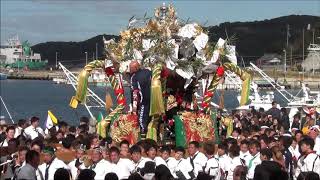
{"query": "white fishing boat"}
[(292, 101), (60, 80), (3, 76), (98, 78), (258, 101), (309, 99)]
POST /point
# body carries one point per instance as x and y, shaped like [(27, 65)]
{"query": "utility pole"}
[(303, 44), (288, 34), (291, 56), (312, 36), (97, 51), (56, 59), (86, 57), (285, 61), (93, 56)]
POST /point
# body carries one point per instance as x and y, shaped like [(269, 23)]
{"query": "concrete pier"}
[(35, 75), (291, 80)]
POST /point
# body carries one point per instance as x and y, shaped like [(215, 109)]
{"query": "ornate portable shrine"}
[(168, 47)]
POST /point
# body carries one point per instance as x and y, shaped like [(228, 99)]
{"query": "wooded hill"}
[(252, 40)]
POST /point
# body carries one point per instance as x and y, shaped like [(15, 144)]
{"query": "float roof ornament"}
[(163, 39)]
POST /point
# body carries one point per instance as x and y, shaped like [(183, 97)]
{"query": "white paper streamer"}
[(108, 63), (147, 44), (187, 83), (187, 74), (188, 30), (201, 41), (231, 53), (216, 52), (137, 55), (124, 67), (170, 64), (201, 55), (176, 48)]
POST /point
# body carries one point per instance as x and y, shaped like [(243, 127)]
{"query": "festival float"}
[(174, 51)]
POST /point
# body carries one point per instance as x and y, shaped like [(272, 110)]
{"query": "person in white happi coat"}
[(124, 149), (75, 164), (234, 154), (196, 158), (314, 133), (51, 163), (22, 124), (34, 130), (212, 166), (244, 150), (254, 158), (100, 166), (165, 152), (137, 159), (309, 160), (151, 151), (223, 158), (179, 166), (294, 149), (121, 166)]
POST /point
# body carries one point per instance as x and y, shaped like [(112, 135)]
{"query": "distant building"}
[(312, 62), (19, 55), (269, 61)]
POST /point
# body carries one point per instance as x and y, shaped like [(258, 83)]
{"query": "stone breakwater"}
[(35, 75)]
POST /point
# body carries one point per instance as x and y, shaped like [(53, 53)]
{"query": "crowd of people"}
[(262, 145)]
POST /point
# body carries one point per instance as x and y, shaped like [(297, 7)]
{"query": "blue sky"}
[(78, 20)]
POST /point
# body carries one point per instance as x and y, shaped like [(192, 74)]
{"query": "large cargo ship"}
[(20, 55)]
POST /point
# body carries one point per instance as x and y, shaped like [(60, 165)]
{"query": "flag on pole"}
[(100, 117), (51, 120), (100, 129)]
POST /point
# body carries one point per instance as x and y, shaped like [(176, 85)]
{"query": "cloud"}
[(62, 20)]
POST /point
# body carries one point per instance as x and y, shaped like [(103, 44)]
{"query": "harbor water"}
[(27, 98)]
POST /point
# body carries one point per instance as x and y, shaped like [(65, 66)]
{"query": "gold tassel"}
[(109, 102), (82, 86), (152, 129), (156, 100), (157, 104)]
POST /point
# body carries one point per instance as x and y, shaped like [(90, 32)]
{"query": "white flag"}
[(51, 120)]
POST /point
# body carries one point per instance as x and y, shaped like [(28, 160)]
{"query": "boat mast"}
[(5, 107), (274, 84)]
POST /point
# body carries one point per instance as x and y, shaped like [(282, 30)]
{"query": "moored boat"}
[(3, 76)]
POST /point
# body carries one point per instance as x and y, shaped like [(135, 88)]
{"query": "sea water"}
[(27, 98)]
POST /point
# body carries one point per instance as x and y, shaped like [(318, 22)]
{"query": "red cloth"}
[(179, 98), (119, 91), (109, 71), (220, 71), (208, 94), (121, 101), (165, 73)]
